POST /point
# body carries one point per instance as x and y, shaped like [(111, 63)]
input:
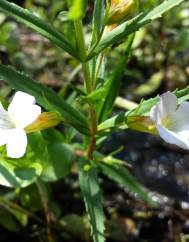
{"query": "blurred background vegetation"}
[(159, 62)]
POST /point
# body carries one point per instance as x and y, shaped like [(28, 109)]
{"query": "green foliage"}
[(7, 38), (30, 198), (77, 226), (61, 157), (50, 162), (77, 10), (98, 20), (56, 157), (90, 188), (112, 86), (122, 31), (8, 221), (38, 25), (111, 91), (24, 171)]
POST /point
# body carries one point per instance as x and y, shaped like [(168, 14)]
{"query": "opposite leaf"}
[(92, 196)]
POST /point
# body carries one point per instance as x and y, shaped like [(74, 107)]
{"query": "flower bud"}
[(44, 121), (142, 124), (119, 10)]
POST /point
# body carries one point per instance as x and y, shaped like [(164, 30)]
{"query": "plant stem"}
[(89, 85), (94, 124), (44, 199), (11, 205)]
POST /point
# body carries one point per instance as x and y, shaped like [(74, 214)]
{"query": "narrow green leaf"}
[(92, 196), (142, 109), (122, 31), (45, 96), (145, 106), (77, 10), (113, 84), (97, 31), (98, 20), (39, 25), (122, 176), (111, 90)]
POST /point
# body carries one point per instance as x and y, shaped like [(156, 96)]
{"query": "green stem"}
[(11, 205), (89, 86)]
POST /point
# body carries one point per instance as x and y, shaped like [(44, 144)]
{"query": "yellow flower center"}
[(167, 122)]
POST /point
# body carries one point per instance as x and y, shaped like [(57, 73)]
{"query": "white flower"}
[(22, 111), (172, 120)]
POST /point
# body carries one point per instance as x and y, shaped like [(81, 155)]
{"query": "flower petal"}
[(179, 139), (16, 143), (23, 110), (180, 119), (3, 137), (5, 121), (166, 106), (155, 114)]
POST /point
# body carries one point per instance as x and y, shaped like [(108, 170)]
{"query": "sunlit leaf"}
[(77, 10)]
